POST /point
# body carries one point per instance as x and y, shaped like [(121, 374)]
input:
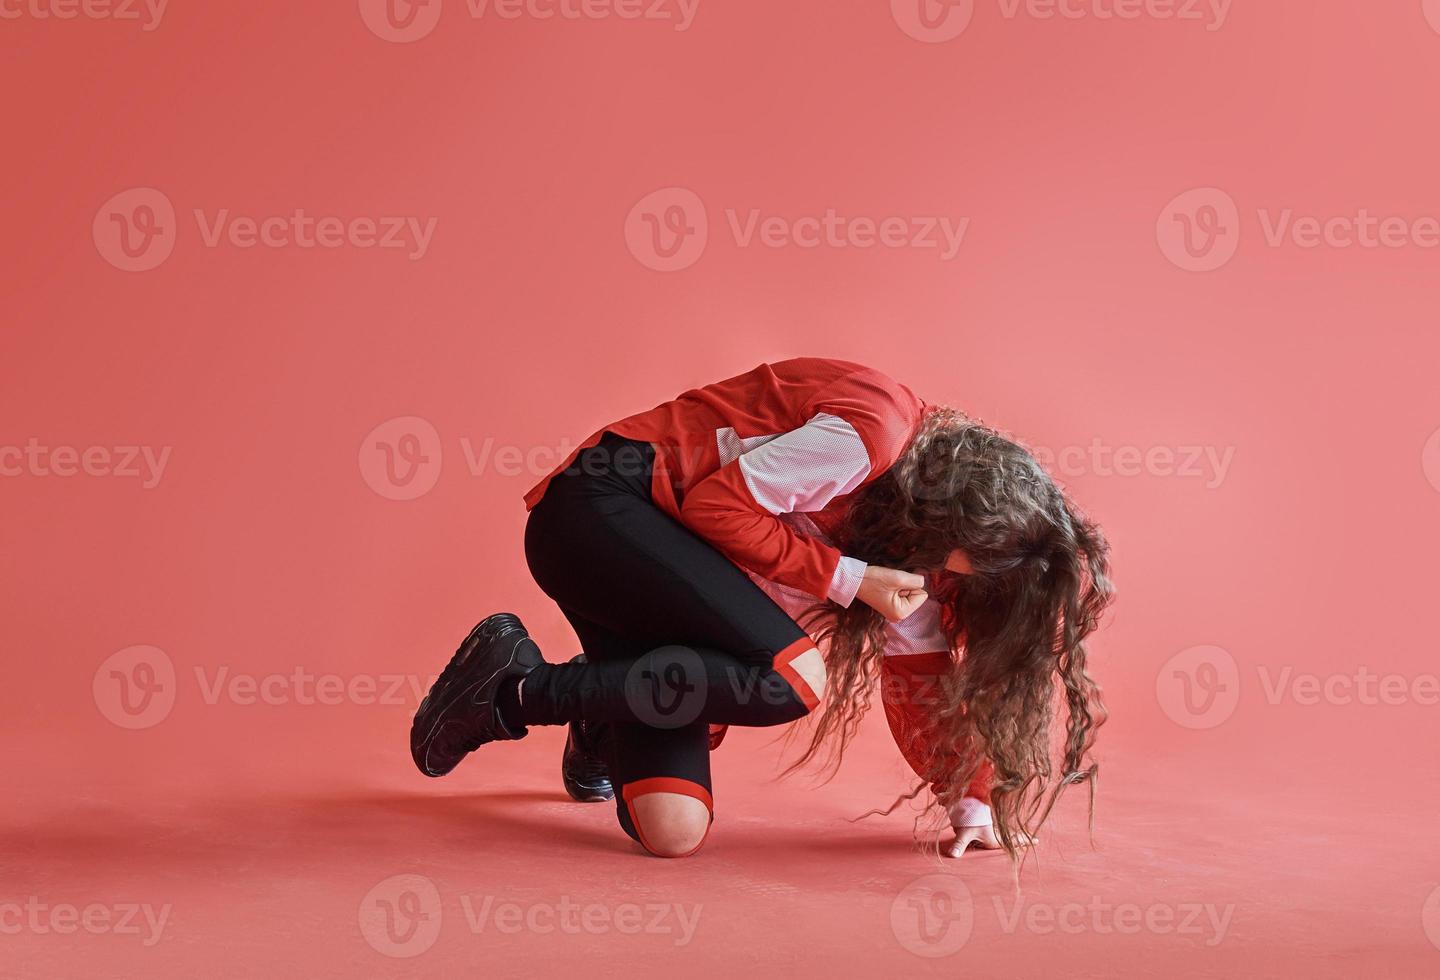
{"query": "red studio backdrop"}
[(299, 299)]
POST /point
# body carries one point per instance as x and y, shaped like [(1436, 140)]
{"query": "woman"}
[(687, 545)]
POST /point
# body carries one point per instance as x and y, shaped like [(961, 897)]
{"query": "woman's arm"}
[(912, 689), (737, 508)]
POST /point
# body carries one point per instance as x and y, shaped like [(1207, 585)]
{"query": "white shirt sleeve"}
[(801, 471)]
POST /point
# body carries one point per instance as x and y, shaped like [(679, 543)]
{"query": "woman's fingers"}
[(902, 604), (964, 837), (984, 838), (905, 581)]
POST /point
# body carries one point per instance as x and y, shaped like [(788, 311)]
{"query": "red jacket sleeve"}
[(910, 687), (737, 508), (857, 426)]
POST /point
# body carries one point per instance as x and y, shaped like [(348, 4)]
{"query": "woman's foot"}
[(582, 767), (460, 713)]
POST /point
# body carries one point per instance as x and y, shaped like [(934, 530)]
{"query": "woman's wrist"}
[(845, 584)]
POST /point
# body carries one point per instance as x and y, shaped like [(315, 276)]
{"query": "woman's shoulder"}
[(883, 410)]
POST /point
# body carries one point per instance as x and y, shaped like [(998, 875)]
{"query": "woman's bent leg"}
[(663, 792), (713, 646)]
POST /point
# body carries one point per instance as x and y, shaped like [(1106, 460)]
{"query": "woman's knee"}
[(669, 824)]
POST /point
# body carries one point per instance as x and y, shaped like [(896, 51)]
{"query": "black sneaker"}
[(459, 714), (583, 769)]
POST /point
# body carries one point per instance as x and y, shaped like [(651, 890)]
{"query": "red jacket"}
[(759, 465)]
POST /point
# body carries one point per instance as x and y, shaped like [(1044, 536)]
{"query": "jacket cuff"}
[(846, 580), (970, 812)]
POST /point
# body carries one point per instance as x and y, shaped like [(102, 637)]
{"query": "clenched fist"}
[(892, 593)]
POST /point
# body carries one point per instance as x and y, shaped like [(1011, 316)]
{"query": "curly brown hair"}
[(1016, 624)]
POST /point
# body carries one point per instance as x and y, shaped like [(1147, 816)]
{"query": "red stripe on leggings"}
[(664, 784), (784, 659)]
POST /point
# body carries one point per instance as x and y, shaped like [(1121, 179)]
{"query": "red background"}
[(529, 322)]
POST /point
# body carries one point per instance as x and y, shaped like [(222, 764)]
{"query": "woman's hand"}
[(892, 593), (983, 837)]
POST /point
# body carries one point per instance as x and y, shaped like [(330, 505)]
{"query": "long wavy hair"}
[(1016, 624)]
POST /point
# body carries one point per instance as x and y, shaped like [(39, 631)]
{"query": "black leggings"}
[(676, 637)]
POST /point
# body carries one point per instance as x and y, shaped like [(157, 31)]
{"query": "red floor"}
[(270, 863)]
